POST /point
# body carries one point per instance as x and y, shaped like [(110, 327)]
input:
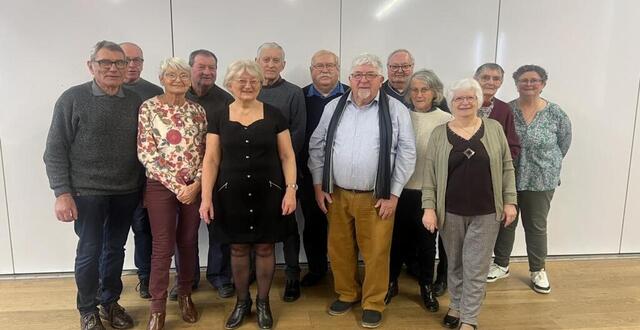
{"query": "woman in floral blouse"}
[(545, 136), (171, 144)]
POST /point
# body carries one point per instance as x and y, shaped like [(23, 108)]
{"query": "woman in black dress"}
[(249, 178)]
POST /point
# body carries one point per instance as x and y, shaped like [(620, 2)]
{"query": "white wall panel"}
[(450, 37), (46, 46), (631, 226), (6, 263), (591, 54)]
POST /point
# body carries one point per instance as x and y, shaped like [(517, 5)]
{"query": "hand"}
[(321, 197), (387, 206), (65, 208), (509, 214), (188, 194), (289, 202), (206, 211), (430, 220)]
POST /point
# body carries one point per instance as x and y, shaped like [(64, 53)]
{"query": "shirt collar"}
[(97, 91), (373, 102), (338, 90)]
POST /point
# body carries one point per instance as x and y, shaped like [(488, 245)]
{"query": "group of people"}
[(378, 167)]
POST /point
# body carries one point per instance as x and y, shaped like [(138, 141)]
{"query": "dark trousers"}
[(442, 261), (142, 239), (168, 233), (315, 231), (102, 227), (291, 248), (408, 235)]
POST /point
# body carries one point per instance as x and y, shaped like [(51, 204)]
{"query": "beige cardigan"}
[(436, 169)]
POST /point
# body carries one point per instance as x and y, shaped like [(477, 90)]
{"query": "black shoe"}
[(173, 293), (291, 291), (226, 290), (451, 322), (242, 309), (263, 311), (339, 307), (439, 287), (311, 279), (429, 298), (116, 316), (371, 319), (91, 321), (143, 288), (391, 292)]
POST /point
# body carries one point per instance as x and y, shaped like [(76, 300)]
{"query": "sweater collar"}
[(97, 91)]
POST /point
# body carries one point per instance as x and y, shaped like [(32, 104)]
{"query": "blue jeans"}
[(143, 241), (102, 227)]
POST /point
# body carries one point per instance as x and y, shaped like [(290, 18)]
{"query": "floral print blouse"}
[(171, 142), (544, 142)]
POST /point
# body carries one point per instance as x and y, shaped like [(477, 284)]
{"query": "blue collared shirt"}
[(357, 144), (313, 91)]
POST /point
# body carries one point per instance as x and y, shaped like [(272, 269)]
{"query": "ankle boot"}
[(429, 298), (156, 321), (187, 309), (265, 320), (242, 309)]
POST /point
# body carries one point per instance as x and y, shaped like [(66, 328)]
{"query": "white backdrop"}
[(591, 53)]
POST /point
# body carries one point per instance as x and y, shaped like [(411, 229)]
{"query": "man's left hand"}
[(387, 207)]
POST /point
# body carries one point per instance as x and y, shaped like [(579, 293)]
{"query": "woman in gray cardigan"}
[(468, 190)]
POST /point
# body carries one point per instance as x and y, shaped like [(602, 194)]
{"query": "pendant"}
[(469, 153)]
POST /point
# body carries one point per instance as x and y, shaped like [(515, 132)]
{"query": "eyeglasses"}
[(422, 90), (174, 76), (135, 60), (244, 82), (106, 64), (468, 99), (359, 75), (323, 66), (487, 78), (529, 81), (398, 67)]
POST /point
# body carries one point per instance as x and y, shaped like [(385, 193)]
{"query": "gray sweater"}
[(91, 146), (145, 89), (289, 99)]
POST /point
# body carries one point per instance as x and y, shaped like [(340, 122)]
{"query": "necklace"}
[(471, 130)]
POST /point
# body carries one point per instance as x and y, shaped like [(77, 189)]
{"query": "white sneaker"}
[(497, 272), (540, 281)]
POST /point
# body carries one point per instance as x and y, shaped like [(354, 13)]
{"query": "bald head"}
[(135, 58)]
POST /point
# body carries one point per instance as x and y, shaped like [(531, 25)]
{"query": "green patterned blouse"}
[(545, 142)]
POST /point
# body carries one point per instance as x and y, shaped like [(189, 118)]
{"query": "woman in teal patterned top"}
[(545, 136)]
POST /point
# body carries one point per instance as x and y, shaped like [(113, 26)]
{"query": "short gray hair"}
[(110, 45), (203, 52), (326, 52), (175, 63), (465, 84), (270, 45), (239, 67), (367, 58), (489, 66), (431, 79), (401, 50), (531, 67)]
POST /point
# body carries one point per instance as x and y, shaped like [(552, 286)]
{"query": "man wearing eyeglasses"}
[(325, 86), (400, 65), (93, 169), (140, 223), (360, 156), (289, 99)]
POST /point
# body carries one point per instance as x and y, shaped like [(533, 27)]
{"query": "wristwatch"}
[(293, 186)]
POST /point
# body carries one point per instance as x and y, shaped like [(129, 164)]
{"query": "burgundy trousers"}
[(172, 224)]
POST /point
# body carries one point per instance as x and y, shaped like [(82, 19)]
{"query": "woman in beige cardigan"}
[(468, 190)]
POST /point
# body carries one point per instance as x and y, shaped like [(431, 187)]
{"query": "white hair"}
[(464, 84), (370, 59), (175, 63), (270, 45)]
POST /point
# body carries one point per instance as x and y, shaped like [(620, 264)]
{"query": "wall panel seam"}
[(6, 204), (626, 195)]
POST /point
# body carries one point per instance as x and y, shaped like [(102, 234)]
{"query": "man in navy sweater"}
[(325, 72)]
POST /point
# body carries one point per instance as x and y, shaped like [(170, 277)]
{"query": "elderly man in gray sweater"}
[(94, 172)]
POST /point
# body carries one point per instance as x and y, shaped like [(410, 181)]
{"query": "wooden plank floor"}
[(587, 294)]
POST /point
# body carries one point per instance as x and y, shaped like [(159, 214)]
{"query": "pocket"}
[(273, 184), (223, 187)]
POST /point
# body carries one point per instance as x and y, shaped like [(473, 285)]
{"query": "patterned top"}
[(545, 142), (171, 142)]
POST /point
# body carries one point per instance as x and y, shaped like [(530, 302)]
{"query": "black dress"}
[(248, 193)]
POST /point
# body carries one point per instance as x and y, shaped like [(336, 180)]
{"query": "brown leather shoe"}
[(187, 309), (116, 315), (91, 321), (156, 321)]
